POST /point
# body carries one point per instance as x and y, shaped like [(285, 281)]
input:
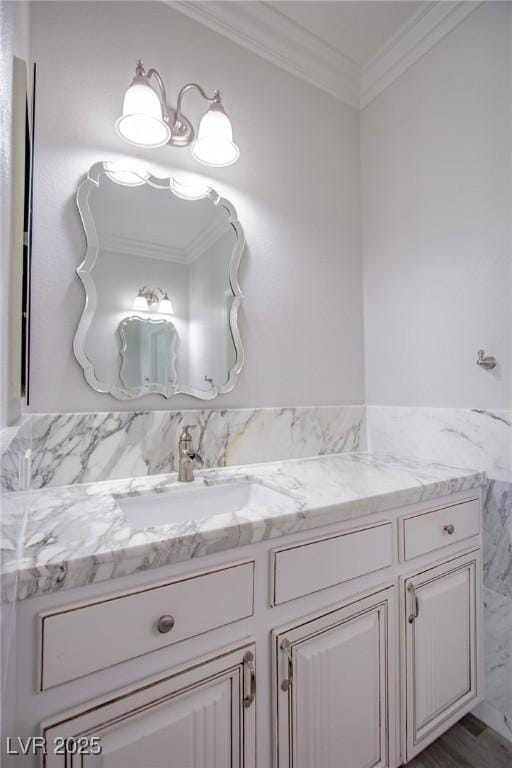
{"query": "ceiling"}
[(350, 49), (172, 229), (357, 30)]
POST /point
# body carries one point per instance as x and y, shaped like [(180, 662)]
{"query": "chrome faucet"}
[(186, 457)]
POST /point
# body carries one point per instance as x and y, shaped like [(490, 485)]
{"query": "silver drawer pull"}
[(449, 529), (249, 665), (165, 624), (288, 676), (415, 604)]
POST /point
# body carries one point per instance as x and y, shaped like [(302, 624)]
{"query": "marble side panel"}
[(462, 437), (497, 529), (498, 653), (81, 448)]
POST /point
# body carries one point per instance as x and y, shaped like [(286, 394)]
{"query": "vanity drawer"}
[(437, 528), (304, 568), (87, 637)]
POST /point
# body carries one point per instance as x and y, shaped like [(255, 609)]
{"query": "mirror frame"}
[(116, 389)]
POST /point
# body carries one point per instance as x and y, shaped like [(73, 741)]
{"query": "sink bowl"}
[(197, 502)]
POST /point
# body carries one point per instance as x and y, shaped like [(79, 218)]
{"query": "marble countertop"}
[(59, 538)]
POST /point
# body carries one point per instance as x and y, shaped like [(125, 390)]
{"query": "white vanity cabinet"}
[(202, 715), (349, 646), (335, 687), (441, 638)]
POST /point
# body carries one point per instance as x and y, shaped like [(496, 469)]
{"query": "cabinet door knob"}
[(449, 529), (165, 624)]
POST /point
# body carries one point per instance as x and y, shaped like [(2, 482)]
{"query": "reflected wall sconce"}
[(148, 121), (146, 298)]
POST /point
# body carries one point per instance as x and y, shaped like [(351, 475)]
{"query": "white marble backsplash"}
[(77, 448), (14, 444), (463, 437), (81, 448)]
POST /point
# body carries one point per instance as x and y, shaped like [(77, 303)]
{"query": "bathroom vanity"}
[(326, 614)]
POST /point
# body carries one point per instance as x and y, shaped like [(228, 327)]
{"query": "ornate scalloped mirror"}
[(161, 286)]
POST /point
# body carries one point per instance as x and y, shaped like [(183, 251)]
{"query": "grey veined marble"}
[(83, 448), (497, 530), (14, 444), (463, 437), (58, 538), (498, 653)]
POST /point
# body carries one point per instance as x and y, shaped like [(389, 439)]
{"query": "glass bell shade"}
[(142, 123), (214, 144), (140, 303), (165, 305)]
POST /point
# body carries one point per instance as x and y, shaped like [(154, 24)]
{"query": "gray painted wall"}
[(436, 174), (296, 189)]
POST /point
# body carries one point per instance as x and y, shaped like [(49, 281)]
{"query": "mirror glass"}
[(161, 282)]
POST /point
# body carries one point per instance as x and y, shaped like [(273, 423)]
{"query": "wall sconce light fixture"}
[(146, 298), (148, 121)]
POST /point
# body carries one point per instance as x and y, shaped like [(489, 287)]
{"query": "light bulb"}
[(214, 144), (142, 121), (140, 303), (165, 305)]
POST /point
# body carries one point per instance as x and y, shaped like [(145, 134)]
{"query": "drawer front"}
[(308, 567), (435, 529), (85, 638)]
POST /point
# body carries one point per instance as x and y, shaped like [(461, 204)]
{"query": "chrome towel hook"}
[(486, 361)]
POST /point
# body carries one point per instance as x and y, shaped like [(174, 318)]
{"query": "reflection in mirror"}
[(168, 254), (148, 350)]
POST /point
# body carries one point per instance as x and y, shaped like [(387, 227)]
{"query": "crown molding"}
[(271, 35), (412, 41), (268, 33), (205, 239), (130, 246)]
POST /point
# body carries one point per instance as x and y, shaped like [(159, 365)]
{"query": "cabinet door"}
[(441, 621), (334, 688), (202, 716)]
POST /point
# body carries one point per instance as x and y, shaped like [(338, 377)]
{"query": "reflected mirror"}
[(148, 349), (161, 283)]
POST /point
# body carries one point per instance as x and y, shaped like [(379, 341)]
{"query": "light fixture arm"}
[(163, 93), (182, 131), (215, 99)]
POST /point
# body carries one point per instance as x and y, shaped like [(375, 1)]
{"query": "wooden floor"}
[(469, 744)]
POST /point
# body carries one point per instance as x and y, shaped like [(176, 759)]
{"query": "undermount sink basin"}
[(197, 502)]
